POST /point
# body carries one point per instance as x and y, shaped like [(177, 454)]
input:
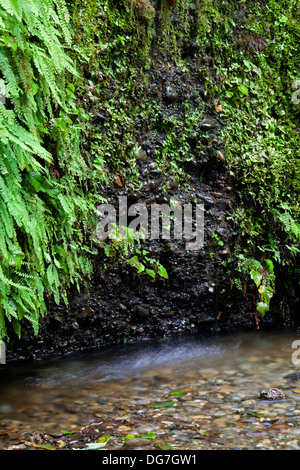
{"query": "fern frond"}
[(42, 218)]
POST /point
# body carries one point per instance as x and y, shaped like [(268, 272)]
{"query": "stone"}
[(170, 247), (137, 442), (86, 312), (142, 157), (225, 252), (171, 95), (293, 376), (279, 427), (102, 401), (208, 200), (141, 311), (208, 124), (154, 184), (153, 165), (172, 183), (272, 394), (220, 156)]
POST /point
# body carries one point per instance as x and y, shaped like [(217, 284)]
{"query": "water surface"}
[(213, 385)]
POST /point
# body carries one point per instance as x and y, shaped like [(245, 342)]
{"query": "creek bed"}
[(188, 394)]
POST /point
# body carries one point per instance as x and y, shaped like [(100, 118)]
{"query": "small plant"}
[(120, 246), (140, 261), (123, 247), (263, 278), (217, 239)]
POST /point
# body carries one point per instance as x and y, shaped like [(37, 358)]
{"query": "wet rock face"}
[(120, 305)]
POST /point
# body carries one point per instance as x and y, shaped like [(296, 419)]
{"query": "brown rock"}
[(279, 427), (220, 156)]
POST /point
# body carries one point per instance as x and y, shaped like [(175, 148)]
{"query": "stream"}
[(191, 393)]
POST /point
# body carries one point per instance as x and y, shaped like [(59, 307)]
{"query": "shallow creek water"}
[(180, 394)]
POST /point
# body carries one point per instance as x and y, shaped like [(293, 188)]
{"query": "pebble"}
[(208, 124), (141, 311), (220, 156), (142, 157), (208, 200), (153, 165), (217, 407), (137, 443), (171, 95)]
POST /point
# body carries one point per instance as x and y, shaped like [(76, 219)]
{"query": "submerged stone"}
[(272, 394)]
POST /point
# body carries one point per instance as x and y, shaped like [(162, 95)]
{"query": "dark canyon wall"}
[(159, 80)]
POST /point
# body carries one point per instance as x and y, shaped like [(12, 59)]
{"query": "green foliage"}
[(140, 261), (262, 275), (216, 238), (254, 60), (163, 404), (105, 31), (262, 282), (112, 40), (48, 185), (257, 60), (116, 144), (178, 146), (44, 207), (122, 246), (128, 437)]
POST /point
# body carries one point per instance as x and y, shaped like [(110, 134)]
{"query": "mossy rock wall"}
[(156, 87)]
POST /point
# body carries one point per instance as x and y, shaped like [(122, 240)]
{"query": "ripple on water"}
[(220, 379)]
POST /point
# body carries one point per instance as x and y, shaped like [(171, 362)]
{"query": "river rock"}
[(272, 394), (141, 311), (86, 312), (137, 442), (208, 200), (171, 95)]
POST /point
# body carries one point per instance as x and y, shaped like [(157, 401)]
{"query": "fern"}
[(290, 225), (43, 215)]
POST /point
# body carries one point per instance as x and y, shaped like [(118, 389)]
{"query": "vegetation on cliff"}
[(78, 87), (46, 194)]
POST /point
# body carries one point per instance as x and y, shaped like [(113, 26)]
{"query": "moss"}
[(244, 56)]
